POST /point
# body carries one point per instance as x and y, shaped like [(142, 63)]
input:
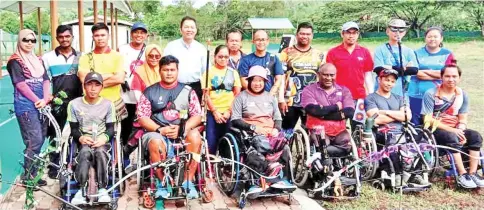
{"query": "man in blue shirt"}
[(388, 54), (262, 58)]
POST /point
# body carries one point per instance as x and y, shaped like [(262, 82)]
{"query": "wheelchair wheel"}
[(431, 157), (299, 146), (227, 171), (364, 149)]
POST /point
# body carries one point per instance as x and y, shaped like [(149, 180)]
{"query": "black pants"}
[(93, 157), (127, 124), (446, 138), (197, 87), (289, 119)]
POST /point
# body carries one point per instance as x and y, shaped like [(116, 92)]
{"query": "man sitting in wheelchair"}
[(92, 118), (256, 111), (160, 112), (391, 114), (449, 105), (328, 105)]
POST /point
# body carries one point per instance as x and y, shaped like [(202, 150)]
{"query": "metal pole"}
[(105, 6), (94, 7), (80, 16), (116, 28), (21, 11), (112, 26), (39, 29), (53, 23)]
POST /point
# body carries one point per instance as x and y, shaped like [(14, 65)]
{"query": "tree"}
[(476, 10)]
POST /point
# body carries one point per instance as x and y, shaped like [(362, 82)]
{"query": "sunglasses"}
[(33, 41), (395, 29), (154, 56), (222, 57)]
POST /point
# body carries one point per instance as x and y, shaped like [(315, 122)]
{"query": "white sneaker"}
[(314, 157), (104, 198), (78, 199)]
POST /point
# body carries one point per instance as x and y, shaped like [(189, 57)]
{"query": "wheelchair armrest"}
[(242, 133)]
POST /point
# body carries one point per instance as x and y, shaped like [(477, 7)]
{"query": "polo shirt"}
[(109, 62), (351, 68), (131, 62), (63, 71), (428, 61), (253, 60), (385, 57), (192, 58)]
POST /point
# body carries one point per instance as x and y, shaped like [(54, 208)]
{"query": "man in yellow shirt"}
[(109, 64)]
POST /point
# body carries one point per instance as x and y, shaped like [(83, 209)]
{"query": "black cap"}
[(93, 76)]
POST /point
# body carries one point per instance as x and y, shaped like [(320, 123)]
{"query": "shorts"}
[(148, 136)]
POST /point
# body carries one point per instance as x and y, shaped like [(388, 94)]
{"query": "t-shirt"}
[(222, 98), (63, 71), (131, 62), (91, 115), (260, 110), (351, 68), (303, 67), (385, 57), (192, 58), (18, 74), (394, 103), (105, 63), (448, 109), (428, 61), (250, 60)]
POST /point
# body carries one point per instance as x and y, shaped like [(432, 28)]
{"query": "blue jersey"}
[(270, 62)]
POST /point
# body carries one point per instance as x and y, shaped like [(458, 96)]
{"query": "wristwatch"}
[(252, 127), (158, 129)]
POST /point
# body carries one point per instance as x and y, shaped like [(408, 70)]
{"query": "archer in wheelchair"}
[(399, 168), (446, 108), (256, 142), (161, 111), (92, 119), (328, 106)]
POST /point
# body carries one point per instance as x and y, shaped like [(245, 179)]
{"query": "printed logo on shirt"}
[(339, 93), (160, 100), (250, 103), (360, 58), (135, 64)]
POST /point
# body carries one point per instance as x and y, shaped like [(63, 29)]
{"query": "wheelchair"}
[(174, 169), (233, 175), (313, 172), (447, 162), (414, 146), (69, 186)]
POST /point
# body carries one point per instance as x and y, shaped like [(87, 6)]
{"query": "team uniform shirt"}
[(428, 61), (394, 103), (253, 60), (91, 116), (131, 63), (222, 98), (447, 109), (260, 110), (109, 62), (316, 95), (63, 71), (387, 57), (351, 68), (301, 69), (192, 58)]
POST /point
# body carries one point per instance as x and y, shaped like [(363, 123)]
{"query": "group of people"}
[(156, 95)]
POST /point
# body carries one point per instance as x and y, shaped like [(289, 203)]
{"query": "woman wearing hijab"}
[(31, 93), (144, 76)]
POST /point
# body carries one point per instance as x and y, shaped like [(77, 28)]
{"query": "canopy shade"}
[(29, 6)]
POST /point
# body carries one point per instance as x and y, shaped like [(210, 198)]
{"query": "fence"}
[(8, 44)]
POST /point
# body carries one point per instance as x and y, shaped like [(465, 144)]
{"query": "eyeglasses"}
[(260, 40), (222, 57), (33, 41), (395, 29), (154, 56)]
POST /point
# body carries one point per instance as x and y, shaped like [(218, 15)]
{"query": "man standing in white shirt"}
[(191, 54), (134, 56)]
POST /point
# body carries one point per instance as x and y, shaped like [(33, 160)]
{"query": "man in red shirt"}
[(353, 63)]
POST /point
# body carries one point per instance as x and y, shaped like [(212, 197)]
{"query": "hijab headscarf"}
[(150, 75), (29, 61)]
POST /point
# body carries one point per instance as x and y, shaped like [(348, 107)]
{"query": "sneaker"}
[(53, 173), (283, 185), (465, 180), (78, 199), (400, 180), (161, 192), (190, 190), (418, 181), (478, 180), (104, 196)]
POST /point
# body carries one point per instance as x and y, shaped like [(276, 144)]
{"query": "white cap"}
[(350, 25)]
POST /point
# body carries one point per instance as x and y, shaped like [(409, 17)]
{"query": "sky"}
[(198, 3)]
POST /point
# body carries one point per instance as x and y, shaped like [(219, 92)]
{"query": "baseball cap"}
[(397, 23), (257, 71), (350, 25), (94, 76), (386, 72), (139, 25)]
